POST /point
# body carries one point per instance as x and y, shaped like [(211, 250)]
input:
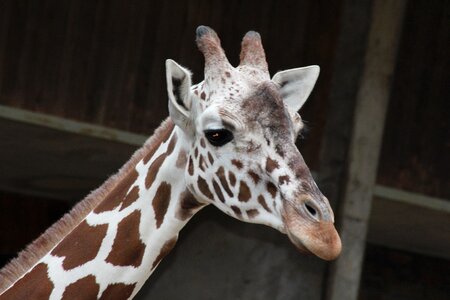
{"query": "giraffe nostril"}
[(312, 211)]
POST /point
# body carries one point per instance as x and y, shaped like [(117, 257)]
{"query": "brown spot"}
[(118, 291), (237, 163), (86, 237), (221, 174), (164, 251), (132, 196), (160, 202), (153, 170), (263, 203), (203, 95), (271, 165), (128, 248), (196, 152), (203, 187), (236, 210), (84, 288), (218, 191), (201, 163), (252, 146), (191, 167), (210, 158), (227, 74), (172, 143), (34, 285), (223, 80), (182, 159), (255, 177), (279, 150), (272, 189), (118, 193), (232, 178), (202, 143), (284, 179), (196, 92), (251, 213), (188, 206), (164, 136), (244, 192)]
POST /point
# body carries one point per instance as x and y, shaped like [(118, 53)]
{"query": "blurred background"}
[(82, 85)]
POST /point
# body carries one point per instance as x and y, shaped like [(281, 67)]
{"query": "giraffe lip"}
[(298, 244), (312, 237)]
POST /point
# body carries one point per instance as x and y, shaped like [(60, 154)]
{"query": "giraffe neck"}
[(117, 246)]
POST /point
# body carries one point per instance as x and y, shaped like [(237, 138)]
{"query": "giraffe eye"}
[(218, 137)]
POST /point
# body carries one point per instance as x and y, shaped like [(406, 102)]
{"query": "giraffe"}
[(229, 141)]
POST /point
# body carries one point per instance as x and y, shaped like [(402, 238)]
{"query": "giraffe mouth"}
[(312, 237)]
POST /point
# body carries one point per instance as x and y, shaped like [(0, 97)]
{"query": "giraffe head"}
[(241, 126)]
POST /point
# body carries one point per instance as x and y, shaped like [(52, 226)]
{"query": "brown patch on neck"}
[(263, 203), (86, 237), (34, 285), (218, 191), (236, 210), (244, 192), (223, 181), (84, 288), (181, 160), (172, 143), (251, 213), (131, 197), (203, 187), (191, 167), (166, 248), (271, 165), (272, 189), (161, 202), (128, 248), (164, 135), (255, 177), (188, 206), (210, 158), (237, 163), (202, 143), (201, 163), (116, 196), (232, 178), (153, 170), (118, 291), (196, 152)]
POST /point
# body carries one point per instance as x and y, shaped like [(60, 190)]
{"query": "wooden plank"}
[(71, 126), (391, 225), (62, 161), (370, 111)]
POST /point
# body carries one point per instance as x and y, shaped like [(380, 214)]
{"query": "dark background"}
[(102, 62)]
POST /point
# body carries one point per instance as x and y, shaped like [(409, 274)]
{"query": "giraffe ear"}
[(296, 85), (178, 89)]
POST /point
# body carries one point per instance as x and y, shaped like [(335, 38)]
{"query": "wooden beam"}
[(390, 222), (368, 124), (77, 127), (55, 158)]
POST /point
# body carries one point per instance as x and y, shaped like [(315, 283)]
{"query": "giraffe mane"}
[(30, 256)]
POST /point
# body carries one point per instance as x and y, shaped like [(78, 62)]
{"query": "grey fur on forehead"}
[(265, 107)]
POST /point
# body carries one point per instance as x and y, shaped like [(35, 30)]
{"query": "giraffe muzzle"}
[(311, 235)]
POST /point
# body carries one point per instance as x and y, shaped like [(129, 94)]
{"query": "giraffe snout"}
[(310, 228)]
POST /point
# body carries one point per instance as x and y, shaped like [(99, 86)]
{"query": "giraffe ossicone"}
[(229, 141)]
